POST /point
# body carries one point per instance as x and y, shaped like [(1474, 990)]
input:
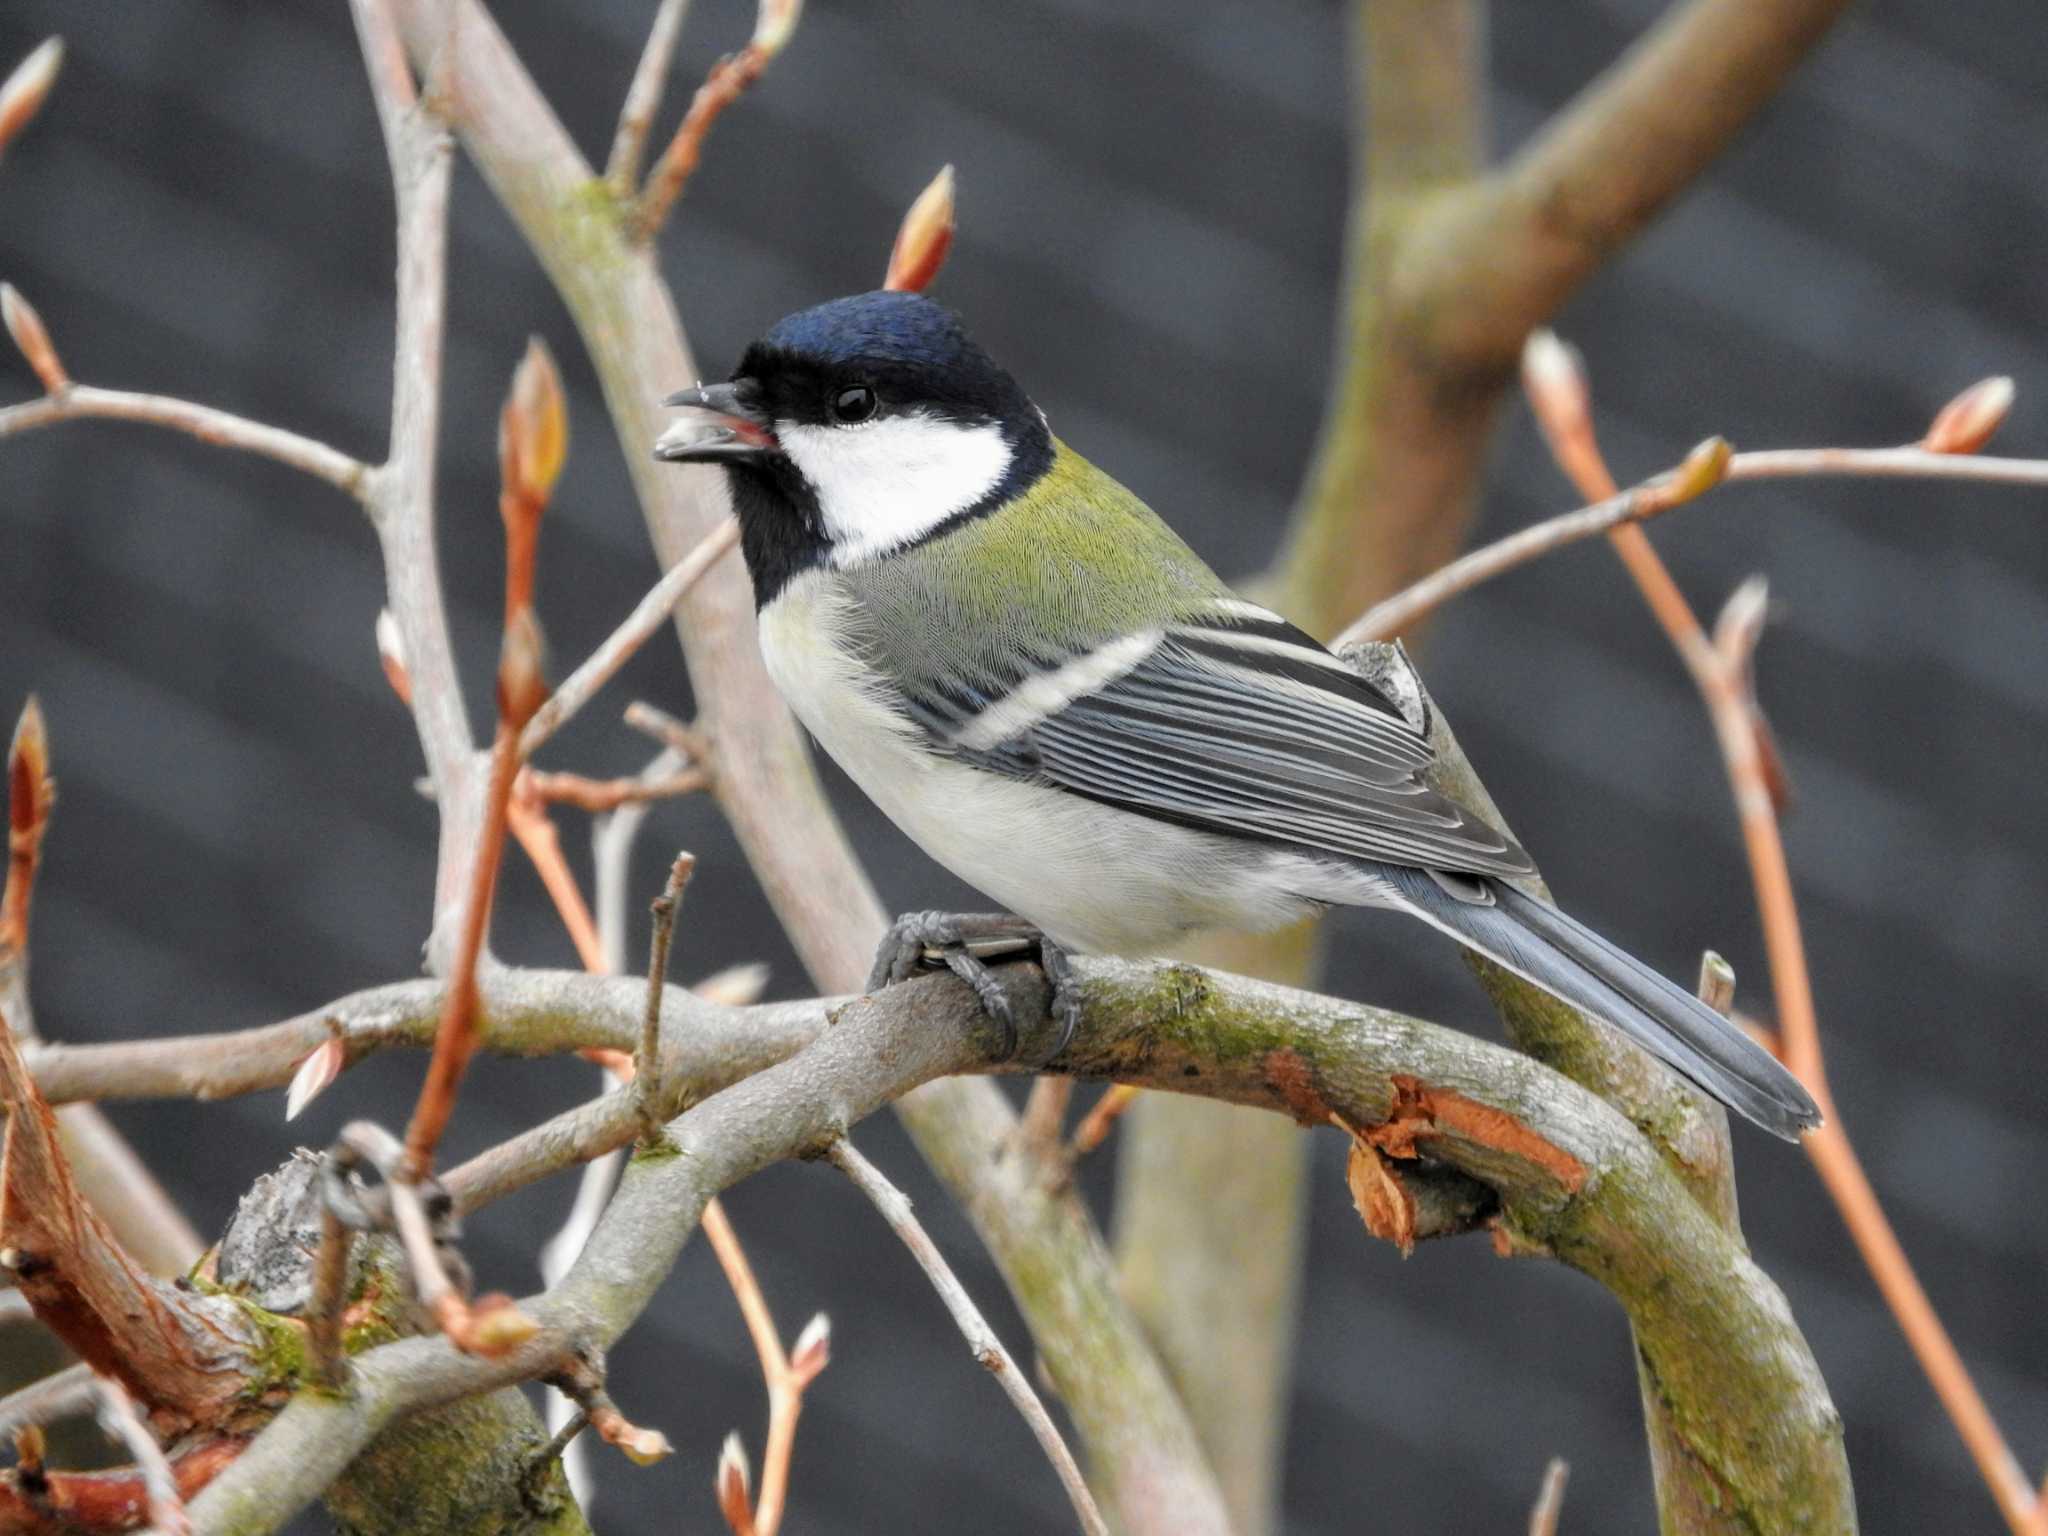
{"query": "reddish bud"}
[(26, 327), (812, 1351), (734, 1500), (522, 680), (30, 790), (22, 97), (533, 430), (391, 652), (1967, 422), (924, 238)]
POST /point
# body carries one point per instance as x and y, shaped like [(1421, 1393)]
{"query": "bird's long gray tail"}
[(1570, 961)]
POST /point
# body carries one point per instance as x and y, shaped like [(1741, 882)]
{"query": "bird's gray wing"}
[(1232, 721)]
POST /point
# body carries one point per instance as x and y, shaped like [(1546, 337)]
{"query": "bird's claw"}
[(963, 942)]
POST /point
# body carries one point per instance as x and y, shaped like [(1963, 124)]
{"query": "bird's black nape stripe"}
[(1031, 456)]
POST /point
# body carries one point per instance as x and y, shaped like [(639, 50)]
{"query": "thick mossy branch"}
[(1570, 1175)]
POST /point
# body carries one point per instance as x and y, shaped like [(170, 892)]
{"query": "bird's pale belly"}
[(1097, 879)]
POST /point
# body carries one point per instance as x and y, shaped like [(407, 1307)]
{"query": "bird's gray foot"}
[(964, 942)]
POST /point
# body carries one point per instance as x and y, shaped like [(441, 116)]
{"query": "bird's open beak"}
[(727, 427)]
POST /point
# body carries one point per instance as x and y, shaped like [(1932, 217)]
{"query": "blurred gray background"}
[(1151, 198)]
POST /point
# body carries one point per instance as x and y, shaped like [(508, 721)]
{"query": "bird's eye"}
[(855, 404)]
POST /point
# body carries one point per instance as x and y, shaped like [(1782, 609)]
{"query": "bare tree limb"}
[(729, 79), (83, 402), (1655, 496), (401, 491), (121, 1419), (1504, 261), (522, 1013), (653, 611), (988, 1349), (1572, 1177), (643, 98)]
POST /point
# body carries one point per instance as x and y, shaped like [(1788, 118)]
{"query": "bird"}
[(1048, 691)]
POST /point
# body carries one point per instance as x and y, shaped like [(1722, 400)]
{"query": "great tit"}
[(1034, 678)]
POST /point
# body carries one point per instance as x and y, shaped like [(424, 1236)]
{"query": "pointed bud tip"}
[(925, 237), (774, 24), (1699, 472), (25, 91), (1968, 421), (315, 1075), (812, 1351), (30, 336), (732, 1481), (644, 1447), (533, 431), (30, 790)]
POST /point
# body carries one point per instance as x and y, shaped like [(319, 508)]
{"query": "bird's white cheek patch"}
[(887, 483)]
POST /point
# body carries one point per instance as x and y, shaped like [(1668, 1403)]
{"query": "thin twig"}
[(647, 1060), (84, 402), (988, 1349), (458, 1037), (601, 946), (599, 796), (727, 82), (120, 1418), (647, 617), (527, 817), (1615, 513), (788, 1374), (1722, 671), (1045, 1117), (687, 741), (643, 98), (1101, 1119), (1549, 1498), (328, 1299), (583, 1384), (64, 1395)]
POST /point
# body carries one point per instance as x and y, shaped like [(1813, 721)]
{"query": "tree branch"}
[(1571, 1176), (401, 491), (643, 98), (1504, 261), (82, 402), (988, 1349), (520, 1013)]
